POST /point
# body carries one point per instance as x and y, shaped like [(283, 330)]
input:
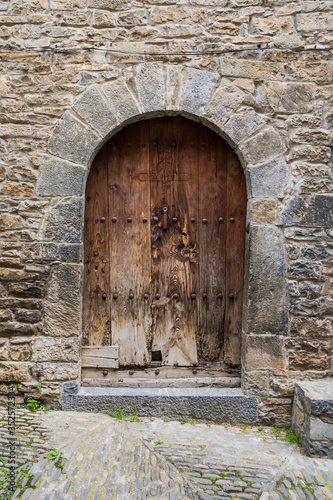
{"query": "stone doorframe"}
[(154, 90)]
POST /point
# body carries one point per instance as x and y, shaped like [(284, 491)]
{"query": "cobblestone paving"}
[(30, 440), (103, 458)]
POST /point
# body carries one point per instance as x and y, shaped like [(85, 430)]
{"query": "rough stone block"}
[(311, 326), (5, 315), (314, 136), (11, 222), (103, 19), (314, 399), (121, 100), (272, 25), (150, 83), (13, 371), (20, 352), (27, 316), (304, 307), (53, 251), (175, 77), (318, 397), (287, 97), (245, 68), (177, 14), (267, 293), (59, 371), (15, 303), (263, 352), (59, 349), (10, 275), (108, 4), (17, 329), (73, 140), (317, 430), (71, 387), (4, 354), (226, 100), (64, 222), (262, 146), (255, 382), (318, 448), (312, 153), (309, 354), (13, 130), (132, 18), (93, 107), (70, 253), (269, 179), (63, 301), (298, 416), (28, 290), (60, 178), (68, 4), (242, 125), (304, 270), (196, 90), (313, 211), (17, 189), (315, 21), (263, 211)]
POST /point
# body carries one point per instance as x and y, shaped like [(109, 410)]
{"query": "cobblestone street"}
[(105, 458)]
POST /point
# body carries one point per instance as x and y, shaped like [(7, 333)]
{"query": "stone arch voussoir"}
[(154, 90)]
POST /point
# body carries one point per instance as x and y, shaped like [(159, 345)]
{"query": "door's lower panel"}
[(203, 375)]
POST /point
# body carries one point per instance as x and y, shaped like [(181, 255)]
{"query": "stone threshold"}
[(203, 403)]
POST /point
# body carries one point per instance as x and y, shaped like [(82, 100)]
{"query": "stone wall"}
[(274, 105)]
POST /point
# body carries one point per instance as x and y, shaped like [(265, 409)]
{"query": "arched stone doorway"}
[(165, 89), (164, 244)]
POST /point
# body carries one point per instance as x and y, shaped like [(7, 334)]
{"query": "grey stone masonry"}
[(313, 416)]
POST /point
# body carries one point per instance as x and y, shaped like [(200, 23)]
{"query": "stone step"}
[(214, 404), (313, 415), (163, 382)]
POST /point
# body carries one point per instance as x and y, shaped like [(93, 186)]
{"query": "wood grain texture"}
[(100, 357), (130, 243), (212, 243), (161, 383), (96, 309), (166, 372), (175, 265), (235, 253), (111, 351)]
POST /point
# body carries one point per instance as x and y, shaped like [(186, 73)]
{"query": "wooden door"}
[(164, 245)]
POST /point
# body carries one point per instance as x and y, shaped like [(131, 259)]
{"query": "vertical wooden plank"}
[(236, 224), (128, 186), (212, 206), (174, 181), (96, 290)]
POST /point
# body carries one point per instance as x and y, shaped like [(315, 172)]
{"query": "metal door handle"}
[(165, 209)]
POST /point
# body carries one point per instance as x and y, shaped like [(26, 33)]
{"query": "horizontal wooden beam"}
[(100, 357)]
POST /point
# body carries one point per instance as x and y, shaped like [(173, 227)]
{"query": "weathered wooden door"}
[(164, 245)]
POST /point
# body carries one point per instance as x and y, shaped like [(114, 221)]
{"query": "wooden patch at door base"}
[(100, 357)]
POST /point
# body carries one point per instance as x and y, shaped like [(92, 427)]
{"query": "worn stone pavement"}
[(104, 458)]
